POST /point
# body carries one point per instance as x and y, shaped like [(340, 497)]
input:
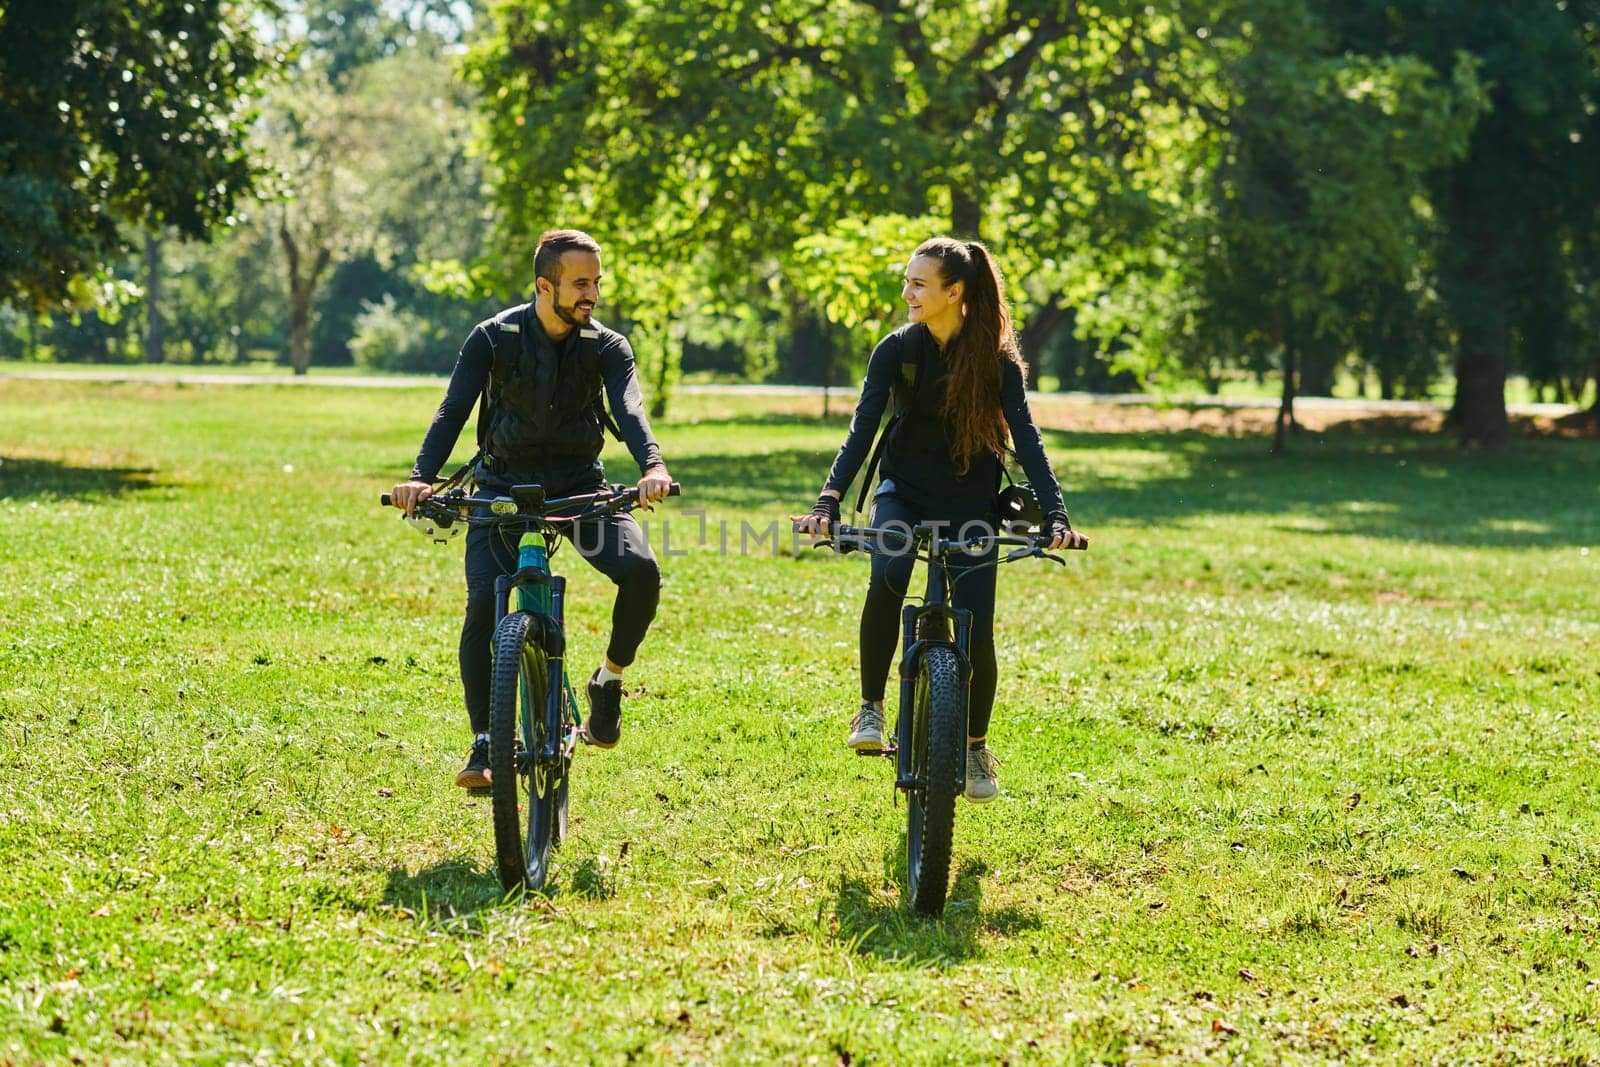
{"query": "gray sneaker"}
[(983, 780), (866, 730)]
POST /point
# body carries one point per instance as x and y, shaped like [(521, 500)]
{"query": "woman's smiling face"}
[(928, 299)]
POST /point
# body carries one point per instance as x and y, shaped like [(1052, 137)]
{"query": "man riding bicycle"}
[(545, 371)]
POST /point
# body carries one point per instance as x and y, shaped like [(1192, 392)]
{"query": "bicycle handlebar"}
[(466, 503), (918, 532)]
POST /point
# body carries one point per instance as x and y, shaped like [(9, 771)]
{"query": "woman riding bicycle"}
[(956, 377)]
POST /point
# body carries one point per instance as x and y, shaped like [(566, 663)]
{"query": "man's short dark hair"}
[(553, 244)]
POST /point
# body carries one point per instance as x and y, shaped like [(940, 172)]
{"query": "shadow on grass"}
[(444, 891), (23, 479), (1546, 493), (894, 931), (835, 418), (589, 880), (1343, 482), (792, 476), (1543, 494)]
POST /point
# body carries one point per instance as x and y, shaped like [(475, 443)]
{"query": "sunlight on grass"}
[(1296, 765)]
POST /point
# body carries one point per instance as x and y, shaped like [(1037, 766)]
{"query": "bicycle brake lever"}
[(1042, 554)]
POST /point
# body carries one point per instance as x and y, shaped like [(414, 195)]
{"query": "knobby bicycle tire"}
[(937, 738), (517, 695)]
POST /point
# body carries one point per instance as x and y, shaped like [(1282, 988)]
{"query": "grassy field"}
[(1299, 762)]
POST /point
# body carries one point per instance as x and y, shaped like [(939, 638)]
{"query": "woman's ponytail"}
[(975, 354)]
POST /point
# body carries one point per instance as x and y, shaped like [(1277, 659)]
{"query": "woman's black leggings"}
[(972, 588)]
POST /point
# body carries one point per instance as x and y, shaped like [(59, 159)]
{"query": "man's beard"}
[(568, 313)]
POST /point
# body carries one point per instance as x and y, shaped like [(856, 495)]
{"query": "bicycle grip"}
[(386, 500), (674, 490)]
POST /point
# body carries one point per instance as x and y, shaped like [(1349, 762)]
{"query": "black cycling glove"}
[(1056, 525), (827, 507)]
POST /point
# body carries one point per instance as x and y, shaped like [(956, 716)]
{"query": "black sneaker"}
[(475, 775), (605, 712)]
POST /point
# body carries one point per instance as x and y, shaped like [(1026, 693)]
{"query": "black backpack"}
[(1014, 502), (499, 331), (508, 324)]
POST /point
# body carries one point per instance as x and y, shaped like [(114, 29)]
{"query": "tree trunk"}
[(1285, 421), (155, 327), (661, 390), (302, 295), (1316, 373), (1478, 280), (1479, 412), (966, 216), (299, 327), (1035, 336)]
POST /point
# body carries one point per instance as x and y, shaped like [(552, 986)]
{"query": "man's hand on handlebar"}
[(655, 485), (407, 495)]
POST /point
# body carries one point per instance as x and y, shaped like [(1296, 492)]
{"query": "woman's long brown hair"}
[(976, 353)]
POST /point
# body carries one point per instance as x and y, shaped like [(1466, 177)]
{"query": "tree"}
[(736, 128), (114, 114), (376, 167), (1322, 165), (1529, 169)]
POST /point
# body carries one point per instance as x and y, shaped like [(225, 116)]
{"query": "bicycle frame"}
[(933, 622), (542, 594), (530, 766), (538, 591), (933, 717)]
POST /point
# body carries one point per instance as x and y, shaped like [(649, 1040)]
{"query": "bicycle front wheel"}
[(937, 729), (519, 688)]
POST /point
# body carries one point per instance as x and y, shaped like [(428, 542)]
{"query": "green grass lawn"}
[(1299, 762)]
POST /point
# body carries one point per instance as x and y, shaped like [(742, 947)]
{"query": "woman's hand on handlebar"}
[(407, 495), (823, 517), (1061, 533)]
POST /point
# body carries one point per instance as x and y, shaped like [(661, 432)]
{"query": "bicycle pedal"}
[(481, 791), (886, 750)]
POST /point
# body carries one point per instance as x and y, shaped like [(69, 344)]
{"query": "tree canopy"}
[(1187, 189), (114, 114)]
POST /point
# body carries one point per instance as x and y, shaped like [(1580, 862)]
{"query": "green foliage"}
[(1515, 206), (718, 138), (855, 271), (392, 338), (1313, 205), (114, 116), (372, 166)]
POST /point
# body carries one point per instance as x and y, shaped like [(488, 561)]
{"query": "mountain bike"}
[(534, 723), (930, 736)]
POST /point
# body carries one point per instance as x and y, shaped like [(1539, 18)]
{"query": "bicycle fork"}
[(921, 627), (543, 596)]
